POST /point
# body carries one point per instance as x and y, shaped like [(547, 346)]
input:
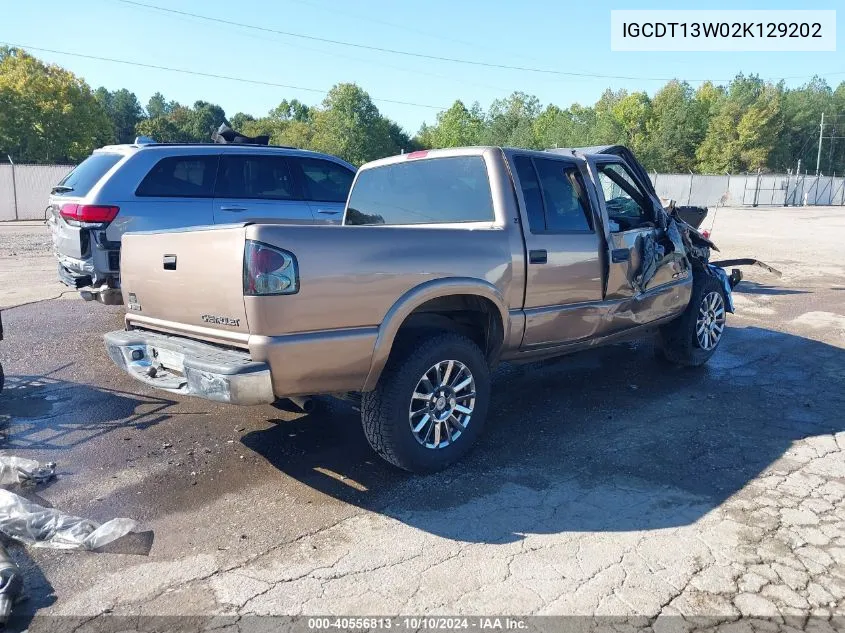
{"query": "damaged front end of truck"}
[(679, 240)]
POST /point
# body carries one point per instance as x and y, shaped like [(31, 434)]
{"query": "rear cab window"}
[(449, 189), (180, 177), (87, 174)]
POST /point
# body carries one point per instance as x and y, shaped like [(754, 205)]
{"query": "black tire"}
[(677, 341), (385, 410)]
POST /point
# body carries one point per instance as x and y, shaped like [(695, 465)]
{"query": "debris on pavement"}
[(30, 523), (11, 584), (38, 526), (21, 470)]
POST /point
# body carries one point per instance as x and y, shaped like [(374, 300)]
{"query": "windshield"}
[(87, 174)]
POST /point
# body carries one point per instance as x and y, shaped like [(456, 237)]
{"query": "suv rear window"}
[(180, 177), (87, 174), (428, 191)]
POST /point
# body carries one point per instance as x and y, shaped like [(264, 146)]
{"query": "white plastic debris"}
[(22, 470), (38, 526), (25, 521)]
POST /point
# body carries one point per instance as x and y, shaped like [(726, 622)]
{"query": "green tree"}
[(677, 126), (163, 130), (802, 110), (240, 120), (743, 129), (293, 110), (510, 121), (632, 113), (182, 124), (159, 106), (455, 127), (47, 113), (349, 125), (123, 109)]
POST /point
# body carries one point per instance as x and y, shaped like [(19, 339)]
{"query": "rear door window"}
[(423, 191), (531, 193), (87, 174), (564, 197), (180, 177), (323, 180), (554, 194), (255, 177)]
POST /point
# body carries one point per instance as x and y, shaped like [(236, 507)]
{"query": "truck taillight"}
[(88, 212), (269, 270)]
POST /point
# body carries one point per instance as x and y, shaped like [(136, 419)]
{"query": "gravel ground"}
[(606, 484), (29, 239)]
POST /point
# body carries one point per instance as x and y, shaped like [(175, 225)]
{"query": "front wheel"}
[(692, 338), (430, 403)]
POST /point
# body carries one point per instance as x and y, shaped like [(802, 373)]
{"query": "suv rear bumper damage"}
[(192, 368)]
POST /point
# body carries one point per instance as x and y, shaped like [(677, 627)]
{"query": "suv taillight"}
[(88, 212), (269, 270)]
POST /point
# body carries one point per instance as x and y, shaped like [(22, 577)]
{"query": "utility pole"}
[(819, 155), (14, 186)]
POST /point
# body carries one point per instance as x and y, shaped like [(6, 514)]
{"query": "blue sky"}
[(568, 36)]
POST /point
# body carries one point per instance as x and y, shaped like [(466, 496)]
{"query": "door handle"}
[(618, 255), (232, 208), (539, 256), (328, 211)]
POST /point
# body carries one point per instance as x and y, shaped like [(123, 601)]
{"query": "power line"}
[(203, 74), (393, 51)]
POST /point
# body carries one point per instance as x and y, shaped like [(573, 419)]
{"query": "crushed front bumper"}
[(189, 367)]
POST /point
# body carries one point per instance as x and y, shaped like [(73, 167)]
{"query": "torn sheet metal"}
[(654, 254), (747, 261), (651, 254), (722, 276), (15, 469), (38, 526)]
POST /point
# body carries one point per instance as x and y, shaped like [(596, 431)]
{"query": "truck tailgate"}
[(186, 280)]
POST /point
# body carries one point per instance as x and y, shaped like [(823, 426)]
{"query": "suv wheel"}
[(430, 403), (692, 338)]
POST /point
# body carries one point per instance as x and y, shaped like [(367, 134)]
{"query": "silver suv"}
[(154, 186)]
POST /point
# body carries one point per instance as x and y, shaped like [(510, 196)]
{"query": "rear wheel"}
[(692, 338), (430, 403)]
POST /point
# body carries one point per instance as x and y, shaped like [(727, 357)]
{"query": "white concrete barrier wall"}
[(750, 189), (26, 197)]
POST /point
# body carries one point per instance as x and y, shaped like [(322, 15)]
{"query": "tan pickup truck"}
[(447, 262)]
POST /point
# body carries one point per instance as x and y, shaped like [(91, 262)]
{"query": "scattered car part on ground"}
[(11, 584), (151, 186), (14, 469), (448, 262), (38, 526), (35, 525)]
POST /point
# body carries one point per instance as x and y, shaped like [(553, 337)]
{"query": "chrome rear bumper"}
[(189, 367)]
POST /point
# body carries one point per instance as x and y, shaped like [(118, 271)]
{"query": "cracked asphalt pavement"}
[(607, 483)]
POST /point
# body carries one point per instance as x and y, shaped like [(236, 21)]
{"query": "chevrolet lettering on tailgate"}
[(220, 320)]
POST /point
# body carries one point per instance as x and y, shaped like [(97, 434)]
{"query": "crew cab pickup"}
[(447, 262)]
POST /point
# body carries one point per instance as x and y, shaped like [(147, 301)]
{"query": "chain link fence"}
[(24, 189)]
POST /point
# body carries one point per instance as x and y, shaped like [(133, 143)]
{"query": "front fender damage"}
[(678, 240)]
